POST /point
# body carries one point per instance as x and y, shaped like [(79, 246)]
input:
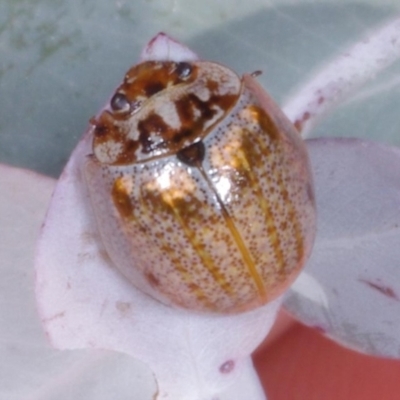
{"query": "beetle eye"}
[(119, 103), (184, 69)]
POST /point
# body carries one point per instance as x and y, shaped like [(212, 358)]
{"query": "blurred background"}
[(60, 60)]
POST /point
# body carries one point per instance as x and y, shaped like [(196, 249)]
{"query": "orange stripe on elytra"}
[(288, 203), (269, 127), (266, 207), (206, 259), (247, 259), (186, 277)]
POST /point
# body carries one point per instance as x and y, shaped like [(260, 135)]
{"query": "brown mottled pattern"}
[(146, 79), (168, 112)]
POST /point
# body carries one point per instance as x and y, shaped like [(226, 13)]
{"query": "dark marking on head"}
[(104, 127), (184, 108), (153, 87), (151, 127), (101, 130), (148, 78), (205, 107)]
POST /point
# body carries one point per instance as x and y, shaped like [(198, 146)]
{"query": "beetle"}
[(201, 187)]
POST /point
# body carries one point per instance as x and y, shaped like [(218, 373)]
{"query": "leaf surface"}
[(350, 288), (29, 367)]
